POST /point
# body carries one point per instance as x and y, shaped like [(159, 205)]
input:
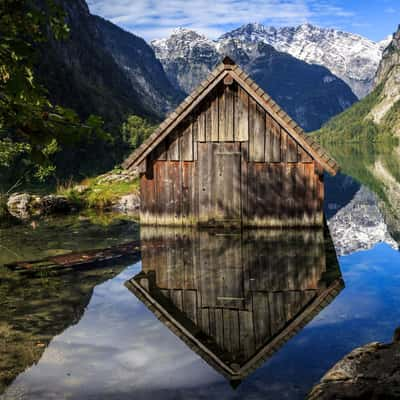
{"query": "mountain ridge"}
[(310, 94), (377, 116), (349, 56), (86, 71)]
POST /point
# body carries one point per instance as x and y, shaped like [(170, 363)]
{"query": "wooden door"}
[(219, 187)]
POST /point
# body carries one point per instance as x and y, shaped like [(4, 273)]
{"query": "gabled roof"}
[(179, 324), (228, 67)]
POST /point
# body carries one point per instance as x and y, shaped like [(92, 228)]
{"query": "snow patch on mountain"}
[(351, 57)]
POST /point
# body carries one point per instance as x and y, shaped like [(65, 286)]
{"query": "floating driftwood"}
[(82, 259)]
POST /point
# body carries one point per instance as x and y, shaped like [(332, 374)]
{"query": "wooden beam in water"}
[(84, 259)]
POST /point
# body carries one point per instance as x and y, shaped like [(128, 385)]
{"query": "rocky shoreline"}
[(368, 372), (24, 206)]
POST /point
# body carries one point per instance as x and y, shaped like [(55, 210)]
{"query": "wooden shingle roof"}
[(228, 67)]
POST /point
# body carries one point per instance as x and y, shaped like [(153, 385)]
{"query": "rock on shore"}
[(25, 205), (369, 372)]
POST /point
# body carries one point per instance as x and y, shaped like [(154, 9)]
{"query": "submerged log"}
[(90, 258)]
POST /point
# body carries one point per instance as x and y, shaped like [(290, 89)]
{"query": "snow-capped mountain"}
[(351, 57), (311, 94), (187, 57)]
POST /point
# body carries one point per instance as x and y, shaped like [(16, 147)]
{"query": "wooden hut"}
[(235, 299), (230, 155)]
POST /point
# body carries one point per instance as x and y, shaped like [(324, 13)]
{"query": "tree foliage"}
[(356, 124), (136, 130), (32, 129)]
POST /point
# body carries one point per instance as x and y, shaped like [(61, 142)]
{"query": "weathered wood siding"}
[(231, 162), (239, 290)]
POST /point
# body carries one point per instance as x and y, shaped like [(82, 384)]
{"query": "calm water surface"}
[(86, 335)]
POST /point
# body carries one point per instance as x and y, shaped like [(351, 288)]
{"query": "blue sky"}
[(374, 19)]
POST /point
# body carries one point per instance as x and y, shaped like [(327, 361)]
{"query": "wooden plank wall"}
[(240, 290), (276, 184), (284, 194), (231, 115)]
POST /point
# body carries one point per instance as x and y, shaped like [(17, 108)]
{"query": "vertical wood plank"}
[(284, 140), (244, 183), (276, 138), (214, 120), (247, 343), (175, 174), (177, 298), (221, 114), (205, 320), (241, 116), (268, 156), (174, 145), (190, 305), (186, 145), (229, 113), (201, 125), (261, 318), (194, 191), (219, 327), (320, 195), (159, 209), (187, 187), (256, 132), (204, 166), (167, 195), (146, 189), (195, 138), (291, 155), (309, 181), (209, 126)]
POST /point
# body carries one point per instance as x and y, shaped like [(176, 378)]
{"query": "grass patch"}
[(97, 193)]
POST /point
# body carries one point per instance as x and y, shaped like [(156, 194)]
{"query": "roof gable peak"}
[(228, 67)]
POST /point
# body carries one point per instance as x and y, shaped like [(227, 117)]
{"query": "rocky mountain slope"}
[(311, 94), (351, 57), (379, 113), (388, 79), (100, 69)]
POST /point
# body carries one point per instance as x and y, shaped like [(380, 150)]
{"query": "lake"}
[(204, 314)]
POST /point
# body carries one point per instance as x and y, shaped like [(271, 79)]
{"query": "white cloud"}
[(157, 18)]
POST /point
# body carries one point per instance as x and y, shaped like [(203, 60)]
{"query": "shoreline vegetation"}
[(117, 190)]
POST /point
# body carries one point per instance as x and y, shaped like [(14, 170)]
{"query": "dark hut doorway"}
[(220, 184)]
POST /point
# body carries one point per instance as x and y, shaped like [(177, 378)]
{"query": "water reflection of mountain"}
[(236, 298), (360, 225), (376, 166), (35, 307)]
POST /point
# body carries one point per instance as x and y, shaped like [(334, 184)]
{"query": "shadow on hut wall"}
[(236, 298)]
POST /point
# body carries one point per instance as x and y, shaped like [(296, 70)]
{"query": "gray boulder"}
[(129, 203), (19, 205), (24, 205)]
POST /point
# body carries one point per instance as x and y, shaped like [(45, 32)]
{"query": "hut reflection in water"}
[(236, 298)]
